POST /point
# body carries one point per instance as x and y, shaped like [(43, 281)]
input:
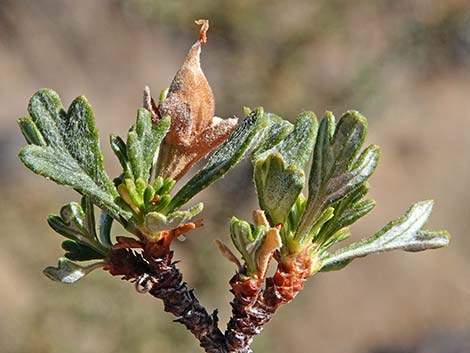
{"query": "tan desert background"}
[(404, 64)]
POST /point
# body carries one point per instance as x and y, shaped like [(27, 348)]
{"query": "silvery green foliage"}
[(338, 165), (278, 173), (63, 146), (248, 239), (77, 223), (137, 155), (405, 233), (337, 187), (69, 272)]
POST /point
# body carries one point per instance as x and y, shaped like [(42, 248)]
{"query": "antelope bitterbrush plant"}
[(293, 230)]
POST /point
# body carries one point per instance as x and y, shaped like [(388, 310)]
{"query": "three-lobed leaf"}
[(347, 210), (338, 167), (278, 171), (77, 223), (64, 147), (404, 233), (69, 272), (143, 140)]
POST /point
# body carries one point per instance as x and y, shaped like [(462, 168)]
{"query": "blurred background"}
[(404, 64)]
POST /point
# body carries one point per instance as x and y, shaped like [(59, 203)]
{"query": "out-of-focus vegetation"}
[(330, 53), (404, 64)]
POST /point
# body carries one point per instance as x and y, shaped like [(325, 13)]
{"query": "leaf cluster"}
[(337, 188), (63, 146)]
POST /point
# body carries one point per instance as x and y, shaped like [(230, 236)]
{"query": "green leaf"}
[(45, 109), (104, 234), (72, 156), (155, 221), (181, 217), (61, 168), (70, 223), (89, 220), (31, 132), (136, 196), (143, 141), (247, 241), (337, 166), (326, 215), (69, 272), (277, 129), (247, 135), (294, 217), (278, 174), (277, 186), (120, 150), (347, 210), (296, 147), (404, 233), (256, 243), (80, 252), (80, 137), (149, 194), (77, 222)]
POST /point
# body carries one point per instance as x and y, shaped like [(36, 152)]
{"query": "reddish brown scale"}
[(246, 319), (253, 307), (288, 281)]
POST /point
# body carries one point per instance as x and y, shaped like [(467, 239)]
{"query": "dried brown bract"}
[(195, 131)]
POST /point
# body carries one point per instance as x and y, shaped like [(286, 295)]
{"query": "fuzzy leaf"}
[(63, 169), (277, 186), (256, 243), (89, 219), (247, 135), (247, 241), (72, 156), (347, 210), (296, 147), (404, 233), (31, 132), (277, 130), (80, 252), (77, 222), (278, 174), (337, 166), (120, 150), (104, 234), (69, 272), (80, 137), (142, 143), (181, 217)]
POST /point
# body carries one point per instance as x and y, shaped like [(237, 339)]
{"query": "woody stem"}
[(252, 307), (159, 277)]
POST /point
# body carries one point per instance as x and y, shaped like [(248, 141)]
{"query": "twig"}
[(159, 277), (252, 307)]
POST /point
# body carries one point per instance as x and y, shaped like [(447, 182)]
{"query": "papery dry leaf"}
[(194, 130), (271, 243)]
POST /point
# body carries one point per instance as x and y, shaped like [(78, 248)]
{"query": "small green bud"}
[(149, 194), (154, 221), (158, 184), (167, 186)]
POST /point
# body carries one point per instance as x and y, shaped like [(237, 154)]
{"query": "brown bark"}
[(253, 307), (159, 277)]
